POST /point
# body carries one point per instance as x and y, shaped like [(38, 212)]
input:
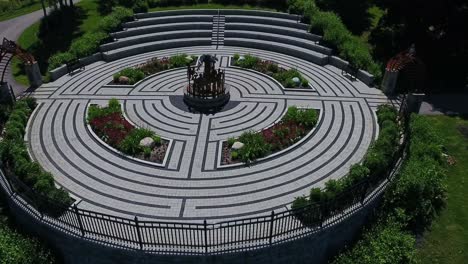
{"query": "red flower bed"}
[(112, 128), (282, 135)]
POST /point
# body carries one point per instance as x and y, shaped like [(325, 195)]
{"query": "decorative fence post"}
[(138, 232), (272, 222), (206, 236), (75, 208)]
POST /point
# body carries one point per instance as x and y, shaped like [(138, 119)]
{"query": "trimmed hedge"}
[(15, 158), (336, 35), (89, 43), (337, 194)]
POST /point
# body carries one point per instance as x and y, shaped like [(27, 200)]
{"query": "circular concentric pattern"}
[(191, 185)]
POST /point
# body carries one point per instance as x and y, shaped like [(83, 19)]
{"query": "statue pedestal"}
[(34, 74)]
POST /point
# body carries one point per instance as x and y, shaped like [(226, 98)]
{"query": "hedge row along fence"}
[(378, 163), (336, 35), (410, 203), (89, 43), (15, 160), (202, 237)]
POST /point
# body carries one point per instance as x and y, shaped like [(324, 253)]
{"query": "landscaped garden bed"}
[(27, 176), (291, 78), (130, 76), (109, 124), (250, 146)]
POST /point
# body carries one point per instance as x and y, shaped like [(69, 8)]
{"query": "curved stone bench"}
[(312, 56), (298, 42), (140, 39), (266, 21), (167, 20), (162, 28), (213, 12), (287, 31), (152, 46)]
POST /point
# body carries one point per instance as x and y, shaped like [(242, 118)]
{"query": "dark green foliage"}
[(420, 190), (178, 61), (285, 78), (95, 111), (254, 148), (141, 6), (134, 75), (384, 244), (337, 194), (88, 44), (306, 117), (60, 59), (248, 62), (15, 248), (131, 144), (337, 36), (15, 158)]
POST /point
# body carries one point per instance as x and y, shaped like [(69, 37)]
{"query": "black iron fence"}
[(202, 237)]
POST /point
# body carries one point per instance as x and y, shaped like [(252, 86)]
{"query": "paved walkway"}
[(191, 185)]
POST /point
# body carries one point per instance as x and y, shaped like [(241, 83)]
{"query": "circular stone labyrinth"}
[(191, 184)]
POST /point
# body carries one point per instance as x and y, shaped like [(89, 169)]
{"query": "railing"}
[(201, 238)]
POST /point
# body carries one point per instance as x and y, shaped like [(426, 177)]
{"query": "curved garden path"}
[(191, 185)]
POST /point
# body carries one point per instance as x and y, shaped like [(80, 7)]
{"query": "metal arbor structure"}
[(8, 50), (404, 72), (206, 89)]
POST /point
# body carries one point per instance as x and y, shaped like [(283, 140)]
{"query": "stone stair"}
[(219, 24)]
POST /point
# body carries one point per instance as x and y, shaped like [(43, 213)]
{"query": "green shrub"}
[(231, 141), (249, 62), (60, 59), (178, 61), (384, 244), (419, 191), (141, 6), (122, 14), (109, 24), (255, 146), (16, 159), (234, 155), (15, 248), (88, 44), (131, 144), (305, 117), (96, 111), (134, 75)]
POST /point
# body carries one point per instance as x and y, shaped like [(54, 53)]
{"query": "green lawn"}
[(26, 9), (86, 20), (447, 241)]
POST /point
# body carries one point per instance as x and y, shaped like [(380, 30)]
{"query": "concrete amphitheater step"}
[(167, 20), (214, 12), (299, 42), (272, 21), (312, 56), (170, 35), (152, 46), (286, 31), (162, 28)]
